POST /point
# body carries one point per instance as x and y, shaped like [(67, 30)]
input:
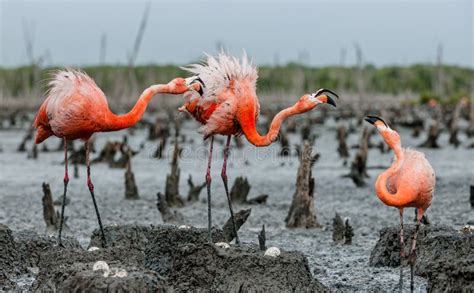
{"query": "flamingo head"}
[(390, 136), (178, 85), (309, 102)]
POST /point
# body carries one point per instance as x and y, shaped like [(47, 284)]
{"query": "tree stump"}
[(240, 219), (194, 191), (262, 239), (49, 214), (358, 169), (131, 190), (285, 144), (471, 197), (338, 229), (416, 131), (348, 233), (161, 147), (107, 154), (167, 214), (238, 142), (342, 148), (453, 127), (240, 190), (302, 212), (172, 180), (470, 129), (306, 132), (28, 136), (433, 134), (261, 199)]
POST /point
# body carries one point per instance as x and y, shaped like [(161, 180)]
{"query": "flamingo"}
[(76, 108), (409, 182), (224, 100)]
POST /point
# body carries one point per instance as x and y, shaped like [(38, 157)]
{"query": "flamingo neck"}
[(117, 122), (397, 199), (258, 140)]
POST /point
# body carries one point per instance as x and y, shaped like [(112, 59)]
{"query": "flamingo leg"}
[(402, 249), (91, 189), (226, 187), (66, 181), (412, 258), (208, 185)]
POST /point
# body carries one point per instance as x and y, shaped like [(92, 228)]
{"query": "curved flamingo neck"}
[(252, 135), (390, 199), (117, 122)]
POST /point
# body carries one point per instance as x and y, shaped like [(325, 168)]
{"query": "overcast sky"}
[(315, 32)]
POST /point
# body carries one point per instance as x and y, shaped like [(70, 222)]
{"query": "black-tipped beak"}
[(373, 119), (327, 92), (331, 101)]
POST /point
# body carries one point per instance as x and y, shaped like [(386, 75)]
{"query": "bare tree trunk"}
[(360, 71), (136, 48), (131, 190), (302, 212), (342, 148), (439, 72), (453, 127), (49, 214), (240, 219), (172, 180)]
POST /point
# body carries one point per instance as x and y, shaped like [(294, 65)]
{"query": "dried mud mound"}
[(31, 245), (444, 255), (22, 250), (184, 258), (9, 259), (152, 259), (9, 256), (239, 269), (66, 270)]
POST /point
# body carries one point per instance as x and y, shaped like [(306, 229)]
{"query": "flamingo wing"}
[(74, 107)]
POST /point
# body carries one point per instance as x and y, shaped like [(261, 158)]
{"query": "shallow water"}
[(341, 267)]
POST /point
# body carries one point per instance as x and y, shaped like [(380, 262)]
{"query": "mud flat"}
[(342, 268), (154, 259), (444, 256)]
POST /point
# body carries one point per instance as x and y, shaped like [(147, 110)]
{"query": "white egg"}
[(101, 266), (273, 252), (223, 245)]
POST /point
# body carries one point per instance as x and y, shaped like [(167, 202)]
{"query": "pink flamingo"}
[(225, 102), (76, 108), (409, 182)]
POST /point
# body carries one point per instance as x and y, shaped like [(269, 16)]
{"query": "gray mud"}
[(444, 256), (339, 267)]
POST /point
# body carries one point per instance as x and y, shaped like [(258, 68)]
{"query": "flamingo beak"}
[(331, 101), (327, 93), (373, 119)]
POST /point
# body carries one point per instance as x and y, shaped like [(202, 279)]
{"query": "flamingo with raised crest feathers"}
[(224, 100), (76, 108), (409, 182)]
